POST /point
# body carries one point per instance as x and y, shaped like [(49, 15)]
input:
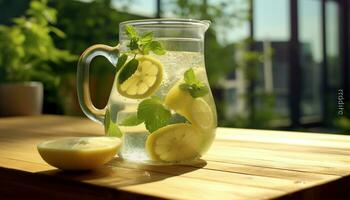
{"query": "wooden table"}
[(242, 164)]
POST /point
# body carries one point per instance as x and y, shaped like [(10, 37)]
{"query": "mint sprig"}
[(138, 44), (153, 113), (195, 87), (146, 37), (144, 43), (130, 31)]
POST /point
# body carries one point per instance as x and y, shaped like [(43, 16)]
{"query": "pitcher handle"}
[(111, 53)]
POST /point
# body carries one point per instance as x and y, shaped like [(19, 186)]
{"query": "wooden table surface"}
[(241, 164)]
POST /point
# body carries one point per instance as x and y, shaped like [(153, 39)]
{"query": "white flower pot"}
[(21, 98)]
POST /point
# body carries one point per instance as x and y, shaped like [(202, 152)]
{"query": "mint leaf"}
[(189, 76), (146, 37), (153, 113), (128, 70), (111, 128), (133, 44), (156, 47), (121, 61), (192, 85), (131, 120), (130, 31), (196, 89), (133, 36)]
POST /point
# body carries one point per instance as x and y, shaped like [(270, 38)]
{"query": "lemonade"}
[(199, 112), (160, 104)]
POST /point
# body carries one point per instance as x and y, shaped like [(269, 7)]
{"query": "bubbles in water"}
[(134, 146), (175, 64)]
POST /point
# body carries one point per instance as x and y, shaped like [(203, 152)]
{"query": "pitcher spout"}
[(206, 24)]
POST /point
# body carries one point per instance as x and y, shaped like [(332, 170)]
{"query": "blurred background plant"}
[(343, 123), (259, 104), (28, 52), (260, 74)]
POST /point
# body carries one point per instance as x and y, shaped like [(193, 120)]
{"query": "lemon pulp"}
[(145, 81), (79, 153), (174, 143)]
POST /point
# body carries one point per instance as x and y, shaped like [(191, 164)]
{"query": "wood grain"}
[(242, 164)]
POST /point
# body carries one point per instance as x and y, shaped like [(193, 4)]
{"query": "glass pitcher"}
[(160, 104)]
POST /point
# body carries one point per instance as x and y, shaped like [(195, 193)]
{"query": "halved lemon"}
[(145, 81), (201, 114), (195, 110), (174, 143), (79, 153)]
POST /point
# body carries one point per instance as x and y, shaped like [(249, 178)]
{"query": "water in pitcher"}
[(185, 109)]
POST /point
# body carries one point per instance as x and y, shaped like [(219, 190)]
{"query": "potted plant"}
[(27, 51)]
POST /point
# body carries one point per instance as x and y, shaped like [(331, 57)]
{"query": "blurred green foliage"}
[(27, 47), (83, 23), (260, 104), (86, 24), (219, 58), (28, 52), (343, 123)]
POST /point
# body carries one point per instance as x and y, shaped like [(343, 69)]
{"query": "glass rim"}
[(167, 21)]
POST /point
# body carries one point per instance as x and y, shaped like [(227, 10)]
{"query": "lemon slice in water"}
[(178, 100), (79, 153), (174, 143), (195, 110), (145, 81), (201, 114)]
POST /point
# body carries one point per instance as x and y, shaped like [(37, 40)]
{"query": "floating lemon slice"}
[(195, 110), (79, 153), (201, 114), (178, 100), (174, 143), (145, 81)]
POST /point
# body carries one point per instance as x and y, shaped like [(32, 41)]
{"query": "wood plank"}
[(16, 184), (284, 137), (308, 158), (53, 124), (300, 177), (285, 164), (145, 179), (296, 176), (240, 179), (135, 177), (14, 163), (242, 164), (282, 147), (259, 133), (220, 175)]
